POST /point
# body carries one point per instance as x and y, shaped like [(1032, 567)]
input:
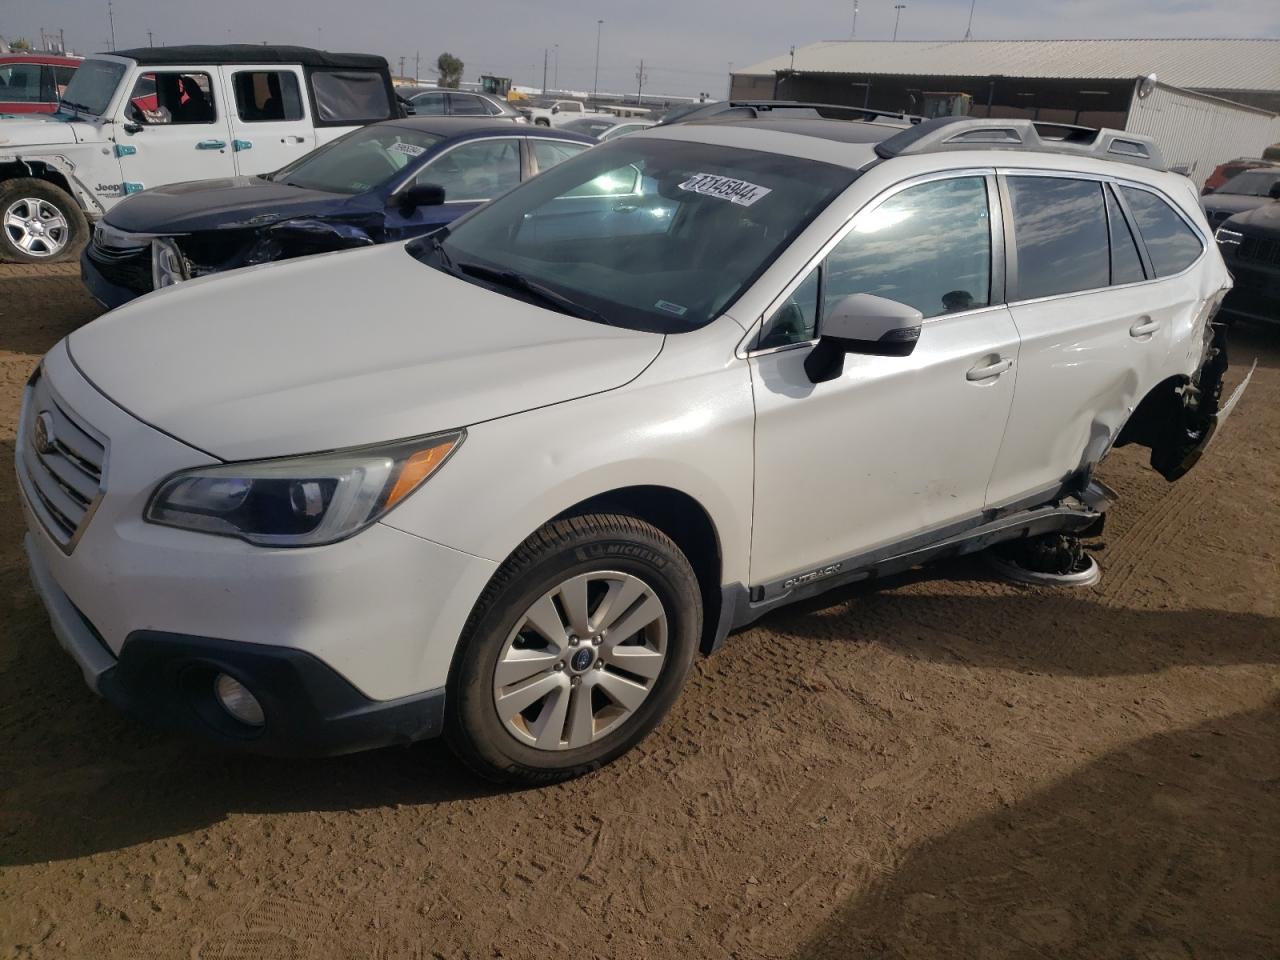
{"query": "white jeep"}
[(142, 118), (503, 483)]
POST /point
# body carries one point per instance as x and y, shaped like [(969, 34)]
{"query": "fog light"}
[(238, 701)]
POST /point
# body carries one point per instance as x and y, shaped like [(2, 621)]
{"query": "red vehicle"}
[(33, 82), (1225, 171)]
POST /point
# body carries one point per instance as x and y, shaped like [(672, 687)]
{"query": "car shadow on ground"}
[(1166, 847), (1042, 630)]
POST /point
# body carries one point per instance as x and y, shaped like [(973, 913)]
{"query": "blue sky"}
[(687, 46)]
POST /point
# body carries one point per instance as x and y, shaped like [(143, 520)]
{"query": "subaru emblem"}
[(44, 438)]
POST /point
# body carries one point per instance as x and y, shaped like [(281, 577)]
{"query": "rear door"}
[(180, 130), (1093, 337), (270, 121)]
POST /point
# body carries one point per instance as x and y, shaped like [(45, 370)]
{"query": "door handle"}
[(293, 139), (986, 371), (211, 145), (1144, 327)]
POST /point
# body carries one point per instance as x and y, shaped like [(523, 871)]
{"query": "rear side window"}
[(928, 246), (1126, 264), (464, 106), (265, 95), (350, 96), (548, 153), (1060, 232), (1172, 245), (428, 104)]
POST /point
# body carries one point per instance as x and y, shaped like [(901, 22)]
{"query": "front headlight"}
[(300, 501), (168, 266)]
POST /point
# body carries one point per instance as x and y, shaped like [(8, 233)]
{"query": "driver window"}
[(476, 171), (171, 98), (796, 321), (928, 246)]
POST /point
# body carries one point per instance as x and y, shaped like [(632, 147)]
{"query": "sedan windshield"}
[(646, 233), (1254, 183), (92, 86), (359, 161)]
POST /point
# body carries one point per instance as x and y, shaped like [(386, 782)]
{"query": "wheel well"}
[(681, 518), (36, 170), (1159, 412)]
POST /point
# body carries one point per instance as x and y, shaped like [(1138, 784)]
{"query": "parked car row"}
[(504, 481)]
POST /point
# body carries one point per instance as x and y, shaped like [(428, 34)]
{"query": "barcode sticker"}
[(725, 188)]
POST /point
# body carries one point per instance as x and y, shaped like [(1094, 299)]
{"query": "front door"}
[(270, 125), (894, 447), (174, 129)]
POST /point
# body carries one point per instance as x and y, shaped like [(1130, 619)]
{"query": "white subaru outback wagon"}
[(504, 483)]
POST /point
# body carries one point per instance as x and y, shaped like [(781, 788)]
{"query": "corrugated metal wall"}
[(1199, 132)]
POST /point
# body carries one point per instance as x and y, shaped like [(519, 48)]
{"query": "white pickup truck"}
[(143, 118), (558, 114)]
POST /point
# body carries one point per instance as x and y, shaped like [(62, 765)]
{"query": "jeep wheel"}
[(541, 122), (39, 222), (575, 651)]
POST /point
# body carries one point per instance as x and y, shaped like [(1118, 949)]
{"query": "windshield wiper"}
[(517, 281)]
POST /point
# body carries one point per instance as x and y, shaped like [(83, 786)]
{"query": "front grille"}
[(1259, 250), (122, 259), (60, 461)]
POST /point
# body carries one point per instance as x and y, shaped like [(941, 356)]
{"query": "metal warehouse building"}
[(1212, 100)]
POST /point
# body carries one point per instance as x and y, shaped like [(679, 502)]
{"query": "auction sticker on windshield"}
[(725, 188), (408, 149)]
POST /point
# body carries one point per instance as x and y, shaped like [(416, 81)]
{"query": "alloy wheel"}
[(36, 227)]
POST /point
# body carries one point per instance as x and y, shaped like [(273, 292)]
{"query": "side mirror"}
[(555, 109), (420, 195), (862, 323), (1274, 192)]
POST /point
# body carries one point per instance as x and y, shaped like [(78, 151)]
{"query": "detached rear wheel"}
[(39, 222), (576, 650)]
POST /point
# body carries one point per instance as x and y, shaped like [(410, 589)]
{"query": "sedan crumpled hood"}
[(342, 349), (228, 203)]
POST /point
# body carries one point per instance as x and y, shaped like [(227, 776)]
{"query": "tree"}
[(21, 45), (450, 68)]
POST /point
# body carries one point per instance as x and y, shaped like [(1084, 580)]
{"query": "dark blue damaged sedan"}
[(388, 181)]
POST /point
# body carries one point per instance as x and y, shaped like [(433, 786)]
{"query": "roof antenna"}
[(968, 31)]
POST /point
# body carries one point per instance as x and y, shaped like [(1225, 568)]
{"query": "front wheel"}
[(39, 222), (575, 651)]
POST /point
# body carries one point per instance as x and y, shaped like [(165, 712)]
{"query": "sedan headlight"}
[(168, 266), (300, 501)]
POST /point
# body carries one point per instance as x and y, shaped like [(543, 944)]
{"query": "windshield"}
[(92, 86), (650, 234), (359, 161), (1254, 183)]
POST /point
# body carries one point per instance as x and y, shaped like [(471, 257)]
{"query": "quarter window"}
[(350, 96), (476, 171), (163, 98), (1172, 245), (796, 321), (1060, 231), (1126, 264), (928, 246), (266, 95), (548, 153)]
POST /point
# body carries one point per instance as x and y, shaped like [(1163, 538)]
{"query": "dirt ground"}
[(947, 767)]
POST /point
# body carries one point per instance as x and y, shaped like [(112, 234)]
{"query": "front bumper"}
[(107, 293), (168, 680)]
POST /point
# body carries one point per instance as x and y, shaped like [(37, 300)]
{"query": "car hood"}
[(340, 350), (229, 203), (1231, 203), (1261, 221), (16, 133)]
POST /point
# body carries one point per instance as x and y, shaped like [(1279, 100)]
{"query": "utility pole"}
[(545, 55), (898, 16), (853, 33), (641, 77), (557, 79), (968, 31), (111, 19), (150, 42), (417, 65), (402, 68), (62, 42), (595, 84)]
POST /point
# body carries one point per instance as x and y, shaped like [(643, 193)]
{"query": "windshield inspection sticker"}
[(725, 188), (408, 149)]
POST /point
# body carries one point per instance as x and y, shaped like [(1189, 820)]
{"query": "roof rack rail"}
[(974, 133), (755, 109)]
